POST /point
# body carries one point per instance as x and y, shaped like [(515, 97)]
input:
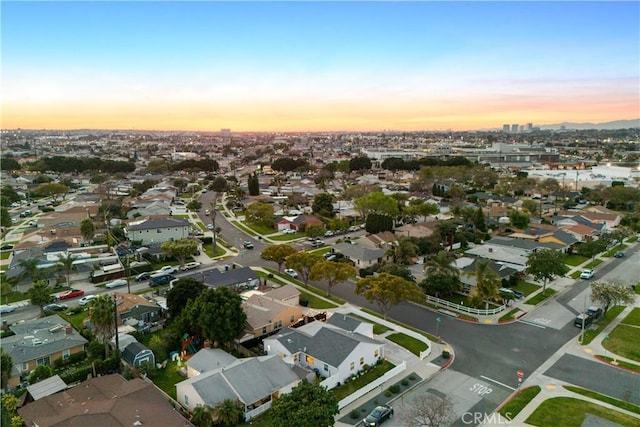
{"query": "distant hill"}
[(617, 124)]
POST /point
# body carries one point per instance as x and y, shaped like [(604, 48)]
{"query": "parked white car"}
[(289, 231), (291, 272), (168, 269), (190, 266), (116, 283), (587, 274), (6, 308), (85, 300)]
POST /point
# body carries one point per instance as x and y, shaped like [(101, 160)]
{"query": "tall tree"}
[(253, 185), (229, 412), (214, 212), (612, 294), (219, 314), (428, 410), (277, 254), (40, 295), (180, 250), (303, 262), (202, 416), (103, 318), (323, 204), (307, 405), (6, 365), (487, 281), (332, 272), (387, 290), (66, 262), (51, 189), (545, 265), (260, 214), (376, 202), (405, 251), (440, 284), (87, 229), (183, 290), (31, 270), (447, 230), (441, 263)]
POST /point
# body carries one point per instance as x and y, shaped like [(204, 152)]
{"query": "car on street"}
[(168, 269), (143, 276), (354, 228), (247, 244), (116, 283), (71, 293), (517, 294), (6, 308), (291, 272), (328, 233), (595, 312), (190, 266), (6, 247), (55, 307), (587, 274), (160, 279), (379, 415), (317, 243), (207, 212), (583, 320), (209, 226), (86, 300), (618, 254)]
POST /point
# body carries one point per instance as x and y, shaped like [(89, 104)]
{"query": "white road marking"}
[(497, 382), (531, 324)]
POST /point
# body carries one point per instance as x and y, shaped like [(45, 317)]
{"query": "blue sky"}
[(318, 65)]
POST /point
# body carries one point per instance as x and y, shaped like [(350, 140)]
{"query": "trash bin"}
[(446, 354)]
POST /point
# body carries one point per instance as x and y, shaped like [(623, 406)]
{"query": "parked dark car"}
[(618, 254), (160, 280), (378, 416), (6, 247), (594, 312), (143, 276), (55, 307)]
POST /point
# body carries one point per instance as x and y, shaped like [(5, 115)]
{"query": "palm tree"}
[(404, 251), (487, 281), (30, 270), (66, 262), (202, 416), (441, 263), (102, 316), (213, 213), (229, 412)]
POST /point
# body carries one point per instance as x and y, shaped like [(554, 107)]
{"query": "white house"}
[(158, 230), (331, 351), (254, 381)]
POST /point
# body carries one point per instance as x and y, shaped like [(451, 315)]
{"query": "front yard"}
[(415, 346)]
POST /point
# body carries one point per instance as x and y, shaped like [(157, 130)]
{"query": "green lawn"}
[(509, 315), (513, 407), (431, 337), (610, 400), (166, 379), (612, 313), (540, 297), (632, 239), (526, 288), (284, 237), (621, 247), (201, 226), (5, 254), (309, 288), (244, 228), (183, 216), (620, 363), (75, 319), (574, 260), (259, 229), (14, 297), (593, 264), (623, 341), (576, 274), (413, 345), (377, 328), (208, 249), (632, 318), (314, 301), (569, 412), (377, 371)]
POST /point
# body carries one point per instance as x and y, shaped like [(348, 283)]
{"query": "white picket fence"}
[(372, 385), (464, 308)]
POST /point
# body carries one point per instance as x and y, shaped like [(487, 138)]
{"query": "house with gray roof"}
[(40, 342), (254, 381), (327, 349), (360, 255), (158, 230), (208, 359), (236, 278)]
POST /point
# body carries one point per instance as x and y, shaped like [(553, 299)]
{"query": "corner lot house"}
[(40, 342), (266, 315), (158, 230), (328, 349), (254, 381)]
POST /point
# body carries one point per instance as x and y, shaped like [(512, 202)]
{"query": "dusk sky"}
[(315, 66)]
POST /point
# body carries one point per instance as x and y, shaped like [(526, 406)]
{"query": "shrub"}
[(405, 383), (95, 349), (74, 358), (304, 302), (77, 375), (394, 389), (412, 377), (388, 393), (354, 414)]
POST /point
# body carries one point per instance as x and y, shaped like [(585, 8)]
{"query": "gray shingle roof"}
[(155, 223), (344, 321), (215, 277), (39, 338), (209, 359), (359, 252)]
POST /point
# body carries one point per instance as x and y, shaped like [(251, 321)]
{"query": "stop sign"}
[(520, 374)]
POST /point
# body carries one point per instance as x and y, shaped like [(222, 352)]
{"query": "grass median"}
[(517, 403), (413, 345), (537, 299), (610, 400), (570, 412), (612, 313)]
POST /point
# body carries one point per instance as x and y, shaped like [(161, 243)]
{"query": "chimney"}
[(68, 329)]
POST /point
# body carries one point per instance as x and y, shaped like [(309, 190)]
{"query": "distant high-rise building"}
[(506, 128), (529, 127), (225, 132), (514, 128)]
